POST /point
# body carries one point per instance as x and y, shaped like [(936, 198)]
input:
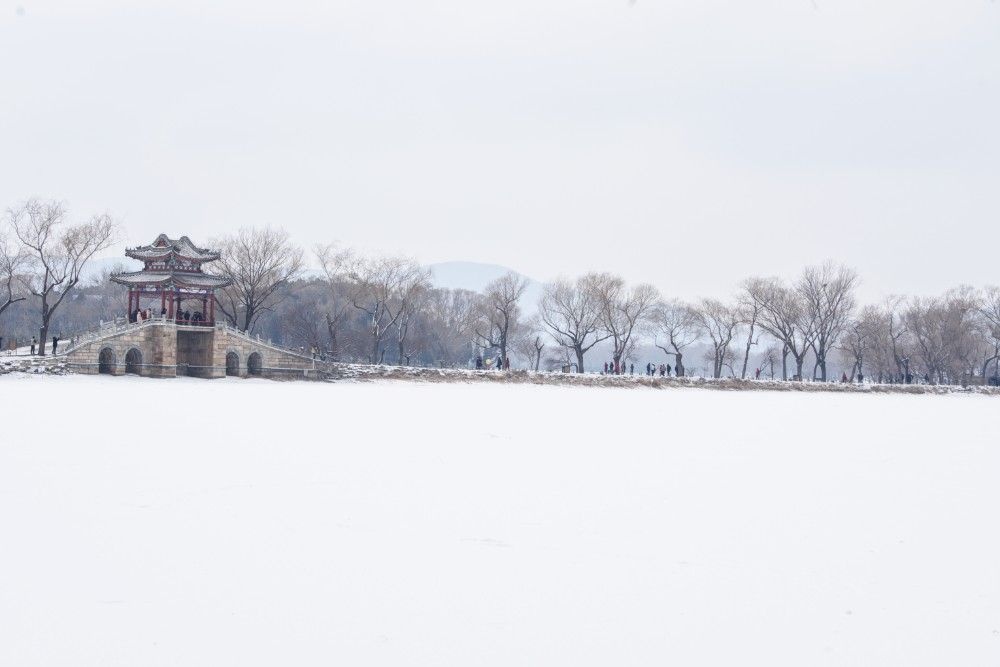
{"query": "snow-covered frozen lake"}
[(233, 522)]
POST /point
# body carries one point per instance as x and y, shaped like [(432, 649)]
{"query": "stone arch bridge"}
[(161, 347)]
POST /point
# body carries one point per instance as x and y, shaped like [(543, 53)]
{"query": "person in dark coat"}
[(605, 368), (33, 344), (668, 370), (757, 374), (55, 343), (479, 362)]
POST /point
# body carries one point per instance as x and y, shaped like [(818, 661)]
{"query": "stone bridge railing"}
[(102, 331)]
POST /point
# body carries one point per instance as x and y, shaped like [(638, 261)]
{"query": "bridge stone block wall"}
[(258, 358), (195, 352), (161, 348), (155, 346)]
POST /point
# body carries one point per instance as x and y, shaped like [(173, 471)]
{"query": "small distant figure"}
[(843, 377), (631, 369), (756, 374), (605, 368), (663, 370), (34, 343), (499, 363), (55, 344), (479, 362), (861, 378), (506, 363), (668, 370)]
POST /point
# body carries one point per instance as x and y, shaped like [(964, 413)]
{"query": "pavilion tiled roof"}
[(163, 247), (195, 280)]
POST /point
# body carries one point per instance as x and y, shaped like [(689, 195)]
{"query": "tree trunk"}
[(746, 354), (799, 362), (679, 364), (579, 359), (784, 363), (332, 332)]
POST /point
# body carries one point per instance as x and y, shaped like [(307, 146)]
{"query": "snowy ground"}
[(231, 522)]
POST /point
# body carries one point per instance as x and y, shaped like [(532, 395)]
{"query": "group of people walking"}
[(615, 367)]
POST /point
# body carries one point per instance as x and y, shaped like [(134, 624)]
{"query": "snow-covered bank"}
[(363, 372), (367, 372), (231, 522)]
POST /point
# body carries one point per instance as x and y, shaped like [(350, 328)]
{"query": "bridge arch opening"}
[(133, 362), (106, 361), (232, 363), (255, 363)]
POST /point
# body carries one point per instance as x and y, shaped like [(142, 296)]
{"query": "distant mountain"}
[(475, 276)]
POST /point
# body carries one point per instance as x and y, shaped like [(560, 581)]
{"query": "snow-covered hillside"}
[(234, 522)]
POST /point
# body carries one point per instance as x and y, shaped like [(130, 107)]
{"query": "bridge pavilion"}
[(172, 274)]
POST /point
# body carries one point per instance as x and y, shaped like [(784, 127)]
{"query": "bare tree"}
[(768, 358), (990, 311), (449, 324), (623, 312), (379, 285), (57, 254), (13, 260), (749, 311), (827, 292), (571, 312), (943, 330), (719, 321), (410, 298), (861, 338), (336, 262), (677, 327), (259, 262), (784, 315), (500, 311), (530, 342)]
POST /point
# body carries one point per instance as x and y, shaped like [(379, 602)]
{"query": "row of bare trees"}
[(378, 309)]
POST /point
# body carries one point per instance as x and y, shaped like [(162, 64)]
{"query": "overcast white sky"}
[(684, 143)]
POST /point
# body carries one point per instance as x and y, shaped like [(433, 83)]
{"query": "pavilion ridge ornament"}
[(173, 272)]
